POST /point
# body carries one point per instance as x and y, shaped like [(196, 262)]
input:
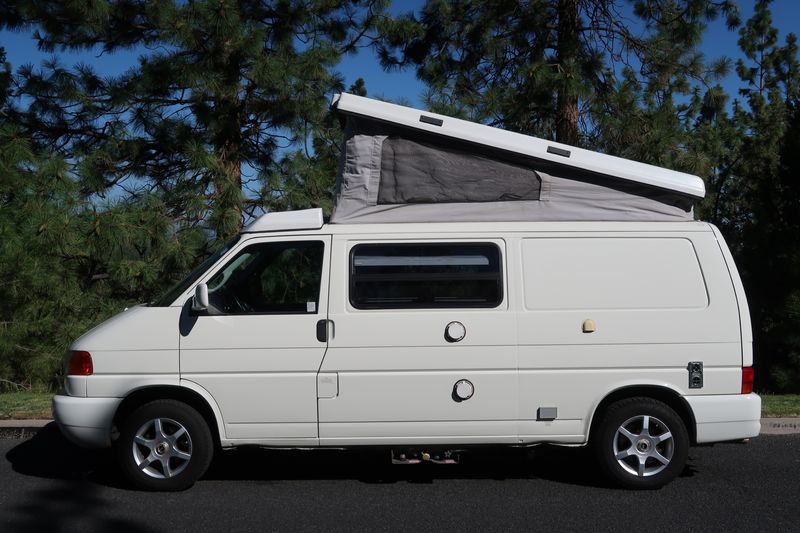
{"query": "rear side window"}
[(425, 275)]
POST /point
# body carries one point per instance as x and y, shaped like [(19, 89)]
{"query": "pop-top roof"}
[(560, 154), (405, 165)]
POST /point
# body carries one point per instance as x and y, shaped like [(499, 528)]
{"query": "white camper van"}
[(473, 287)]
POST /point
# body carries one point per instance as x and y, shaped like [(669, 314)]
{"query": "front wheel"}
[(164, 445), (641, 443)]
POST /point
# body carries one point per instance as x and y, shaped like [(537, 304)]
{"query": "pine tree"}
[(764, 219), (549, 67), (40, 298), (66, 262), (112, 187), (221, 91)]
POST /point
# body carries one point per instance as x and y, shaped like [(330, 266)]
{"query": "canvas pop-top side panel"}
[(395, 174)]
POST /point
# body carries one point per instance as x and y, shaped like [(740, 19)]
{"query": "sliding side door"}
[(423, 347)]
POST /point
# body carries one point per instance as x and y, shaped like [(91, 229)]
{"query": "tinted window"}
[(167, 299), (396, 276), (278, 277)]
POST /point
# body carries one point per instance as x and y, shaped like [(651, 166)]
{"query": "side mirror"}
[(200, 300)]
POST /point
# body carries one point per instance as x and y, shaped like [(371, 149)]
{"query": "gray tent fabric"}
[(414, 172), (390, 174)]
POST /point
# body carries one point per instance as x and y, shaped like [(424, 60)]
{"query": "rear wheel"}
[(164, 445), (641, 443)]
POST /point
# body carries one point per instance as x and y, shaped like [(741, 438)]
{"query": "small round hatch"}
[(454, 332), (463, 390)]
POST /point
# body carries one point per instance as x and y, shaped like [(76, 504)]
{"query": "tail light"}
[(80, 364), (747, 380)]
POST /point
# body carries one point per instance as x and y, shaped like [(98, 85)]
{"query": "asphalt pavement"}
[(46, 484)]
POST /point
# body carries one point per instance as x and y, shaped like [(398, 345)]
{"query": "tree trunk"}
[(228, 204), (566, 55)]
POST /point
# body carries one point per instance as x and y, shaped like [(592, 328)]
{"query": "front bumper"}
[(86, 421), (726, 416)]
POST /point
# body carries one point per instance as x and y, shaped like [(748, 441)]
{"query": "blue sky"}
[(402, 85)]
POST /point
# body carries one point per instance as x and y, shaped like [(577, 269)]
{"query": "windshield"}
[(177, 290)]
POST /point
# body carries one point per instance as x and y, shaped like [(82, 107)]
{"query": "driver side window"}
[(270, 278)]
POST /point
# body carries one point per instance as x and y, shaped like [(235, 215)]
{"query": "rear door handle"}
[(323, 326)]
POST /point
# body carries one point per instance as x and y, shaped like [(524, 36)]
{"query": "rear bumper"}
[(726, 416), (86, 421)]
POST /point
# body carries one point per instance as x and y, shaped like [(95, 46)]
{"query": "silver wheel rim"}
[(162, 448), (643, 446)]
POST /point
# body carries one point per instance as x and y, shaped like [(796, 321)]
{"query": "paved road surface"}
[(48, 485)]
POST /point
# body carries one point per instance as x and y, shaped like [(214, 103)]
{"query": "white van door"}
[(423, 347), (257, 350)]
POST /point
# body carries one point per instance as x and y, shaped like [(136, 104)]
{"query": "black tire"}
[(641, 443), (164, 445)]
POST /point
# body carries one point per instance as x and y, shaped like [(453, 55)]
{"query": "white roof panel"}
[(287, 220), (562, 154)]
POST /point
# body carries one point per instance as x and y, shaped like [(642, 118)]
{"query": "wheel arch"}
[(662, 393), (185, 394)]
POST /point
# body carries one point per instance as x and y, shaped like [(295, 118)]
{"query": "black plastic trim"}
[(322, 330), (558, 151), (431, 120)]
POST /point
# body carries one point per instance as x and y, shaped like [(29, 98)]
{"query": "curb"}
[(20, 429), (780, 426), (21, 424)]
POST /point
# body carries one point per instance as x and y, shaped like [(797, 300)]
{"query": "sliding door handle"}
[(324, 327)]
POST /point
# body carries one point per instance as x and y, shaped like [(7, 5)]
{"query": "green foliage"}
[(68, 263), (548, 67), (761, 215), (112, 187), (222, 92), (37, 209)]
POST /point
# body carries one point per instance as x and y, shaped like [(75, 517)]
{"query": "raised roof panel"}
[(287, 221), (558, 154)]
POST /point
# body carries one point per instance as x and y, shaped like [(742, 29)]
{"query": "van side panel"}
[(658, 300), (741, 299), (397, 371)]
